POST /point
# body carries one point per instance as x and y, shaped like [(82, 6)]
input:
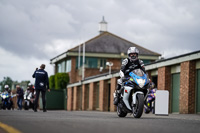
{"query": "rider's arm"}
[(142, 66), (123, 68)]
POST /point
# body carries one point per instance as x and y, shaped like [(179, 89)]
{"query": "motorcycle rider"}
[(6, 87), (151, 97), (7, 90), (29, 97), (131, 61), (31, 89)]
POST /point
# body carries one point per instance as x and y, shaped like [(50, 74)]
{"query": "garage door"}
[(175, 92), (198, 91)]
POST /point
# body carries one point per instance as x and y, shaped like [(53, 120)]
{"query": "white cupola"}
[(102, 26)]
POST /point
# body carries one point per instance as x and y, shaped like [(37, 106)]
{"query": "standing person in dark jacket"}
[(20, 94), (41, 84)]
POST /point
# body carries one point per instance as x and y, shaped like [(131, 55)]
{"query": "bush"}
[(52, 82), (61, 80)]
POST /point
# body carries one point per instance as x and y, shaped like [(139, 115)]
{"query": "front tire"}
[(3, 105), (120, 112), (138, 109), (147, 111), (26, 106)]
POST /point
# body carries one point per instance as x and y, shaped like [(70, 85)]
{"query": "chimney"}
[(102, 26)]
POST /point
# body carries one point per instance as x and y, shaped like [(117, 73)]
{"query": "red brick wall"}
[(164, 78), (113, 88), (69, 99), (164, 81), (83, 97), (96, 85), (116, 64), (149, 74), (101, 92), (187, 88), (103, 95), (91, 97), (93, 71), (106, 95), (75, 99), (73, 72)]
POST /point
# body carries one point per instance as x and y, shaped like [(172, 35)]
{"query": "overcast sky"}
[(33, 32)]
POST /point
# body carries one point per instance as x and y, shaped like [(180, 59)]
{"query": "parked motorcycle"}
[(28, 100), (134, 92), (0, 101), (6, 100), (150, 102)]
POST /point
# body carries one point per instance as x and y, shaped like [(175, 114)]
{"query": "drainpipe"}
[(83, 70)]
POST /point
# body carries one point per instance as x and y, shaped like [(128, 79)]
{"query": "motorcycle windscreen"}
[(138, 72)]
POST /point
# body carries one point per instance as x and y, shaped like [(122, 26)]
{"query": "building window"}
[(146, 61), (102, 63), (91, 62), (61, 67), (68, 66)]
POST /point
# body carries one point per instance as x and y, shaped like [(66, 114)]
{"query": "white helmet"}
[(133, 50), (6, 86), (29, 84)]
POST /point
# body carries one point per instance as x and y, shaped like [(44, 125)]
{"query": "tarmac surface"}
[(96, 122)]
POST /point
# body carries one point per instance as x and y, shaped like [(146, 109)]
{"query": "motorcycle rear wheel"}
[(120, 112), (138, 109)]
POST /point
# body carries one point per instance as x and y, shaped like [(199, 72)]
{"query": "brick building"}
[(105, 47), (179, 75), (100, 50)]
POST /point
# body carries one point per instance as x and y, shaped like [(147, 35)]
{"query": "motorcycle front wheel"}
[(26, 106), (138, 109), (3, 105)]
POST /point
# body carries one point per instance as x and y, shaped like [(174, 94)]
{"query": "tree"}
[(61, 80), (52, 82)]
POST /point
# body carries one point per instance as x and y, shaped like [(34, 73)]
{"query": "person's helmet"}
[(29, 84), (6, 86), (133, 50)]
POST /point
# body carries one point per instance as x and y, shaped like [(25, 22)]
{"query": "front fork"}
[(134, 97)]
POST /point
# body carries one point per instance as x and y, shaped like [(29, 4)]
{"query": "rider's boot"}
[(117, 94)]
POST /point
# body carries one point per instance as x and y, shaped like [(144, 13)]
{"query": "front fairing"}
[(5, 95), (138, 79)]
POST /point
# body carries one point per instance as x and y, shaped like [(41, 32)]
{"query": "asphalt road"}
[(97, 122)]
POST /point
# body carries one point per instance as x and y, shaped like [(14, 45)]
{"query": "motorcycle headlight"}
[(140, 82), (4, 96)]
